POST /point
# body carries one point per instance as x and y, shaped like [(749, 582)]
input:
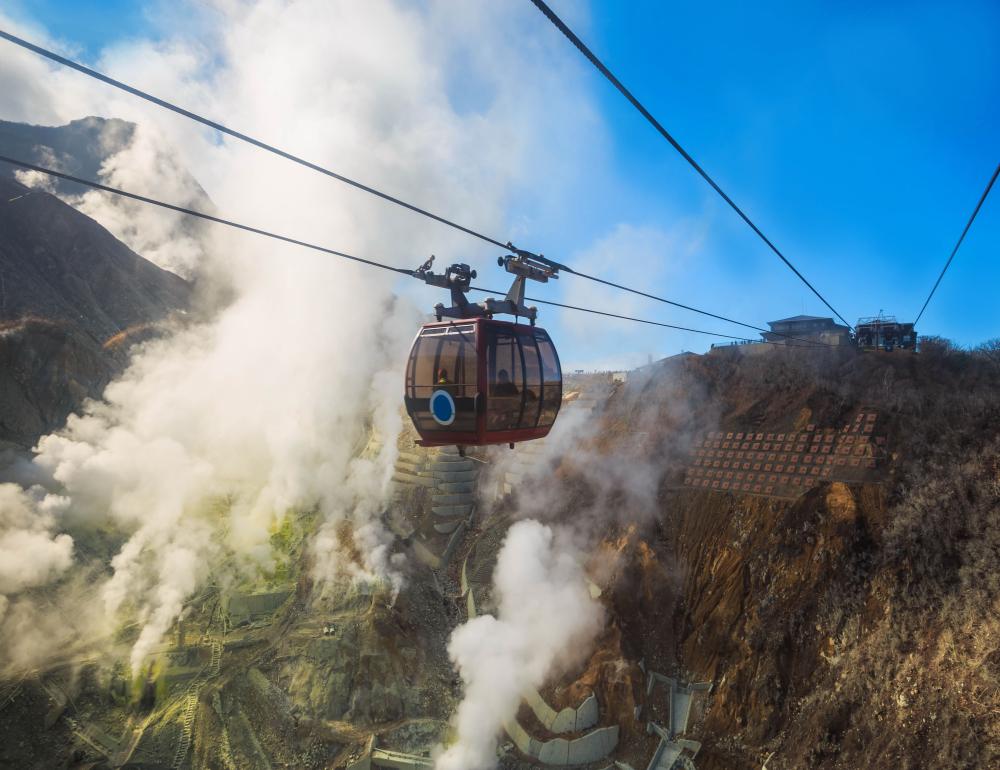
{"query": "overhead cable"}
[(561, 26), (241, 136), (687, 307), (198, 214), (639, 320), (295, 241), (961, 238), (315, 167)]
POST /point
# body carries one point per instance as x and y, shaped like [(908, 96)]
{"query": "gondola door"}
[(505, 381), (442, 384)]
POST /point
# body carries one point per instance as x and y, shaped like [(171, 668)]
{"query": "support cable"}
[(961, 238), (641, 320), (582, 47), (325, 250), (385, 196), (241, 136), (200, 214), (688, 307)]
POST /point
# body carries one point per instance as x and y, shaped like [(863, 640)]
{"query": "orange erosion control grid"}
[(787, 464)]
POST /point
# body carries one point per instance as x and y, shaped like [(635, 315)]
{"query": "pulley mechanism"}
[(457, 278)]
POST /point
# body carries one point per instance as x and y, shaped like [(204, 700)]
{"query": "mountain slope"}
[(61, 265), (67, 286)]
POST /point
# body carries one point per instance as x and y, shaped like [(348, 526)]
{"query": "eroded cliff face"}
[(855, 626)]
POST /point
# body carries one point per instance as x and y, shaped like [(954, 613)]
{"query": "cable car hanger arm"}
[(458, 277)]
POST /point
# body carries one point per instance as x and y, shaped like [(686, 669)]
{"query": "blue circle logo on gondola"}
[(442, 407)]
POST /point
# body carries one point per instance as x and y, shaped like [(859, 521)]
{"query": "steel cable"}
[(582, 47)]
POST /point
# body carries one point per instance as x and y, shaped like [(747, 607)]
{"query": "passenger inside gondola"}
[(504, 386)]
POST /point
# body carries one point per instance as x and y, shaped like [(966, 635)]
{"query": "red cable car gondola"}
[(472, 380)]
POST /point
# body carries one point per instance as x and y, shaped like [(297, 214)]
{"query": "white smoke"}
[(216, 433), (546, 620), (534, 633), (30, 553), (149, 166), (255, 408)]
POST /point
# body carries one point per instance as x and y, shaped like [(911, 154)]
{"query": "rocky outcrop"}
[(67, 287)]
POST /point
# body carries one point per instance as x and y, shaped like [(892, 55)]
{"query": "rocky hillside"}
[(67, 288), (854, 626)]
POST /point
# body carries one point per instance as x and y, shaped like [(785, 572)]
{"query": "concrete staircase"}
[(187, 728), (190, 707), (216, 660), (453, 495)]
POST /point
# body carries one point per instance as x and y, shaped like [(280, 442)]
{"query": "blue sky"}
[(858, 136)]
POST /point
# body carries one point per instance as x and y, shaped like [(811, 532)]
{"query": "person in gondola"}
[(504, 386), (442, 378)]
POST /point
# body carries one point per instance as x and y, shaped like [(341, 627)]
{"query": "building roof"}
[(801, 318)]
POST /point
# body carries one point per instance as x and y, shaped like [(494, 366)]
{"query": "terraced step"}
[(450, 511), (463, 498), (409, 467), (216, 661), (455, 487), (456, 475), (458, 464), (447, 527), (401, 477)]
